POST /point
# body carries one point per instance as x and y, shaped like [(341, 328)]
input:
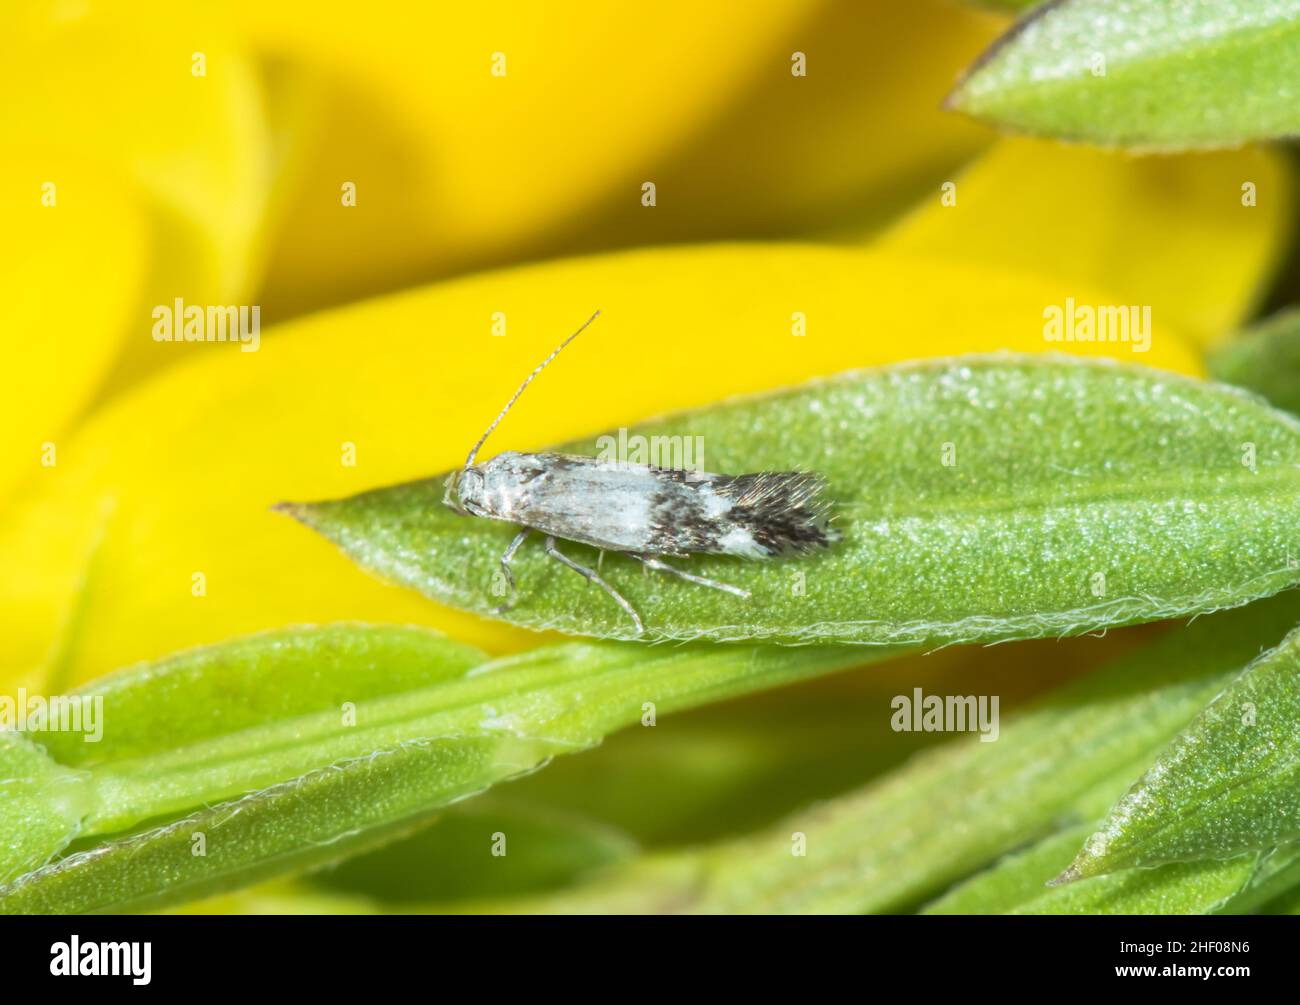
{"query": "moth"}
[(646, 513)]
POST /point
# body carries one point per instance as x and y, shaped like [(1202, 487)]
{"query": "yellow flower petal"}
[(176, 480), (1174, 233), (860, 136), (467, 129), (118, 88), (72, 266), (454, 167)]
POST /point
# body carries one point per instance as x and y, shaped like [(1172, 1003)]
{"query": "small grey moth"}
[(637, 510)]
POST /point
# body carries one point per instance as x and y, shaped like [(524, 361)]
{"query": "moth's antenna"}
[(469, 461)]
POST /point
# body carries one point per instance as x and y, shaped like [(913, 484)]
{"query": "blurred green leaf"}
[(729, 769), (1276, 873), (226, 720), (951, 811), (980, 499), (1282, 897), (707, 774), (537, 848), (954, 809), (1265, 359), (1156, 74), (1228, 783), (306, 782), (718, 772), (1018, 885), (259, 680)]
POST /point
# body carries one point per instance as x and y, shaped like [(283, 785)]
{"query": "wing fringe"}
[(786, 512)]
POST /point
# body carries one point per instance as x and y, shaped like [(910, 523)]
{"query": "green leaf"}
[(730, 769), (256, 681), (979, 499), (1279, 890), (226, 720), (1155, 74), (41, 805), (453, 860), (1018, 885), (1228, 783), (1265, 359), (703, 775), (367, 731), (1277, 872), (953, 810)]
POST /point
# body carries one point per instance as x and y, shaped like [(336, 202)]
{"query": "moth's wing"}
[(758, 515), (659, 511), (596, 502), (775, 513)]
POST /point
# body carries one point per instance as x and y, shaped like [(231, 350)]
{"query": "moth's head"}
[(463, 492)]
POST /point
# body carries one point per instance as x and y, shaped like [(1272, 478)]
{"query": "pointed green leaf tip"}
[(978, 499), (1149, 74), (1226, 785)]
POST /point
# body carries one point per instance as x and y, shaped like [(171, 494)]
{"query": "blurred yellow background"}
[(421, 199)]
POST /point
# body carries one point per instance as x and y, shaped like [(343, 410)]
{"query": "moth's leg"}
[(653, 563), (594, 577), (508, 572)]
